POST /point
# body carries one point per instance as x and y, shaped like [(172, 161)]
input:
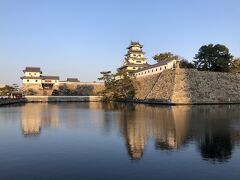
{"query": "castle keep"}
[(135, 64), (134, 59)]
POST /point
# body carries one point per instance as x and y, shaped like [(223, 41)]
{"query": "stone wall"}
[(38, 89), (7, 101), (63, 98), (35, 87), (189, 86), (84, 89)]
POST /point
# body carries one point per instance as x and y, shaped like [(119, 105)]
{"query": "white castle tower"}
[(134, 59)]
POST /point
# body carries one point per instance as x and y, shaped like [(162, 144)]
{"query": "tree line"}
[(210, 57)]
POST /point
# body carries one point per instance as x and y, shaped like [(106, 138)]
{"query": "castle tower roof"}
[(134, 44), (32, 69)]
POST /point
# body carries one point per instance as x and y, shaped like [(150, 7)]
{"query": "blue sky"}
[(80, 38)]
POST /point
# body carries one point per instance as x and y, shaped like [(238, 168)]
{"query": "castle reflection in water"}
[(36, 116), (214, 129)]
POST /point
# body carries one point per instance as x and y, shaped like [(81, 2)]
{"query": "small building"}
[(156, 68), (34, 81), (49, 81), (134, 59)]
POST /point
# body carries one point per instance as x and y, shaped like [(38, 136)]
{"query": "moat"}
[(119, 141)]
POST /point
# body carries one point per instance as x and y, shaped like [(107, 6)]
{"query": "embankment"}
[(63, 98), (189, 86), (7, 101)]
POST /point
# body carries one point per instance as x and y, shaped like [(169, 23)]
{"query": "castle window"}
[(27, 80), (138, 61), (156, 69), (160, 69), (34, 73), (145, 72), (134, 68), (165, 67), (152, 70), (36, 80), (148, 71)]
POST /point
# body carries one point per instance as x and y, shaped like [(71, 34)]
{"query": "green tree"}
[(213, 58), (235, 66), (63, 91), (55, 92), (186, 64), (110, 85), (117, 86), (165, 56), (124, 87)]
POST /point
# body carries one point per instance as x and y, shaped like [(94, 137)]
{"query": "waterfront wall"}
[(78, 88), (38, 89), (189, 86), (7, 101), (63, 98)]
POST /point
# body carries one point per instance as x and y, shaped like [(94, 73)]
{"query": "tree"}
[(109, 82), (63, 91), (117, 86), (55, 92), (16, 87), (235, 66), (30, 92), (186, 64), (164, 56), (213, 58), (6, 90), (124, 87)]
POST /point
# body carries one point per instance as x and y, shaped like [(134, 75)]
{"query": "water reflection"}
[(35, 116), (214, 129), (210, 127)]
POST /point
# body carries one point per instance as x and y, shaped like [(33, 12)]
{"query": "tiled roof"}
[(30, 77), (72, 80), (50, 77), (160, 63), (134, 44), (32, 69), (134, 65)]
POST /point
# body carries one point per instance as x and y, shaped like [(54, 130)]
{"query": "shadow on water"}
[(215, 129)]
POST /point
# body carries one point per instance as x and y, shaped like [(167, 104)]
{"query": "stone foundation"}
[(37, 88), (189, 86), (84, 89)]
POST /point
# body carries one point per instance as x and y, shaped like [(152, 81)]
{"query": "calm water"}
[(119, 141)]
